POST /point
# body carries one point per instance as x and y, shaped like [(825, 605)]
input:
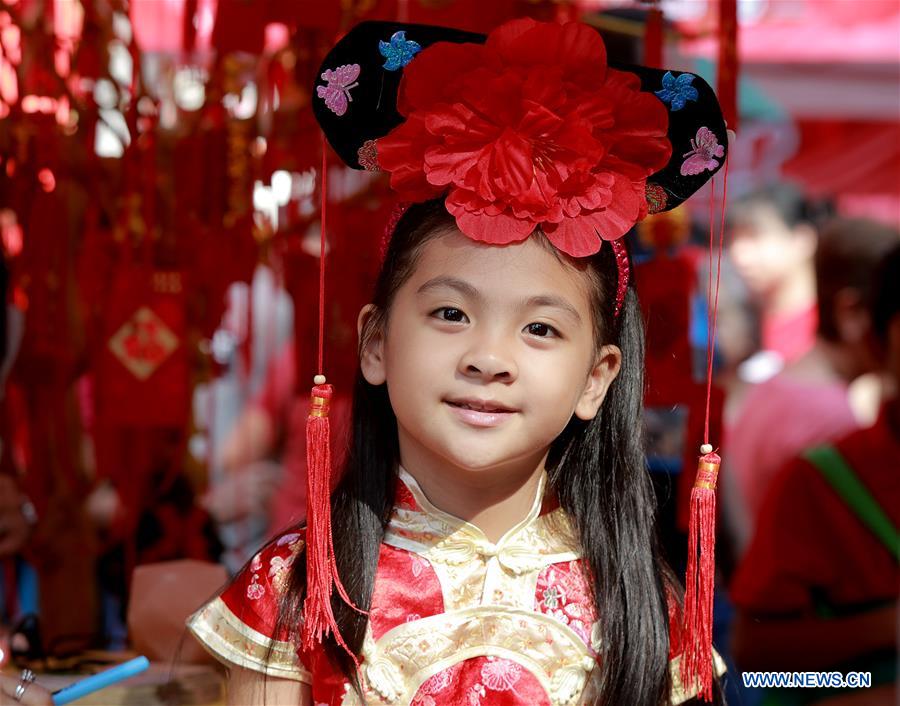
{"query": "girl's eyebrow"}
[(470, 292), (443, 282), (553, 302)]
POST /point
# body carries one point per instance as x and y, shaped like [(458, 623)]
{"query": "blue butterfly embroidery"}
[(399, 51), (677, 90)]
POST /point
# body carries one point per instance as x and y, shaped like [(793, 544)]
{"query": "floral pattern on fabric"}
[(411, 591), (237, 626), (482, 681), (563, 593)]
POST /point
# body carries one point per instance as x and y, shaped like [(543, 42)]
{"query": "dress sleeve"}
[(238, 626), (680, 693)]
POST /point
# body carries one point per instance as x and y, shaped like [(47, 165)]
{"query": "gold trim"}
[(409, 652), (679, 694), (230, 640)]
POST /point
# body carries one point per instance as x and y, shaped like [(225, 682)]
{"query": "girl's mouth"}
[(480, 413)]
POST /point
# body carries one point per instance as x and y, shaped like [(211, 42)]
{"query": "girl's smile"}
[(481, 413)]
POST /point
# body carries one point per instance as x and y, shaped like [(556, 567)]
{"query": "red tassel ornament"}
[(322, 576), (696, 657), (321, 570)]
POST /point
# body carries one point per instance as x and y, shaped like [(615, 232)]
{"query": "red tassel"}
[(696, 656), (321, 570)]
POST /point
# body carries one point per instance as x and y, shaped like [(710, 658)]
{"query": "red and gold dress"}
[(455, 619)]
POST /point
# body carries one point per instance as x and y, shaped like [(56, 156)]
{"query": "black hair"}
[(886, 295), (849, 252), (596, 468), (788, 202)]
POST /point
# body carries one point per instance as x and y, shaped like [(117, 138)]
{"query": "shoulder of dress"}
[(289, 543)]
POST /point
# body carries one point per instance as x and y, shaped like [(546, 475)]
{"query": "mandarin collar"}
[(418, 525)]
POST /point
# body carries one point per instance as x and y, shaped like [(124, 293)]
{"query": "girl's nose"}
[(490, 361)]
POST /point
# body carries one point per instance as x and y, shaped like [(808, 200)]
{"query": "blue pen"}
[(101, 680)]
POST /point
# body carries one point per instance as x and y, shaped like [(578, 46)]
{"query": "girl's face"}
[(487, 353)]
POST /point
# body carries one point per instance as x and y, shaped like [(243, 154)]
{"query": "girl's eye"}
[(541, 330), (448, 313)]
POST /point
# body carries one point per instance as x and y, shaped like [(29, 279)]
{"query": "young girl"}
[(494, 519)]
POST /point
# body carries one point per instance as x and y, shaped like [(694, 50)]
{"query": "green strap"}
[(847, 484)]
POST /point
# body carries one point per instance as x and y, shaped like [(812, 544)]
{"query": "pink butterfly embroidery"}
[(337, 92), (704, 148)]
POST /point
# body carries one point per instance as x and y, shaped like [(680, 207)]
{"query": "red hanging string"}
[(709, 316), (712, 295), (321, 364)]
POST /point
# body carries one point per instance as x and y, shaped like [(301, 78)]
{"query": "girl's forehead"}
[(528, 266)]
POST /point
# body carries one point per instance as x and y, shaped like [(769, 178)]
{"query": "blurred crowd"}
[(809, 361)]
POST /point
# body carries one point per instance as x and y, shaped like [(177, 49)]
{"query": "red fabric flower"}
[(529, 129)]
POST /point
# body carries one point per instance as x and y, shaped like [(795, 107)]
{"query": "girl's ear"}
[(371, 351), (605, 369)]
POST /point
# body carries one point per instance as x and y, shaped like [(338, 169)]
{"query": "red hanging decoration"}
[(322, 576), (727, 75), (653, 37), (696, 659)]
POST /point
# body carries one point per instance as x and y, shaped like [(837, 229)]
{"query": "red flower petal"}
[(437, 70), (574, 236), (463, 140), (394, 154), (638, 143), (495, 229), (511, 164), (574, 47), (625, 209)]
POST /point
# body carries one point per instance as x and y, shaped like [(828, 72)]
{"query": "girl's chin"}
[(468, 462)]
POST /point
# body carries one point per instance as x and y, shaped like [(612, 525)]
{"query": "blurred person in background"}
[(258, 447), (773, 241), (264, 456), (810, 401), (818, 588), (47, 604)]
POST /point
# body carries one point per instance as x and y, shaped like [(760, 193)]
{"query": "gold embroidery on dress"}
[(228, 638), (410, 653)]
